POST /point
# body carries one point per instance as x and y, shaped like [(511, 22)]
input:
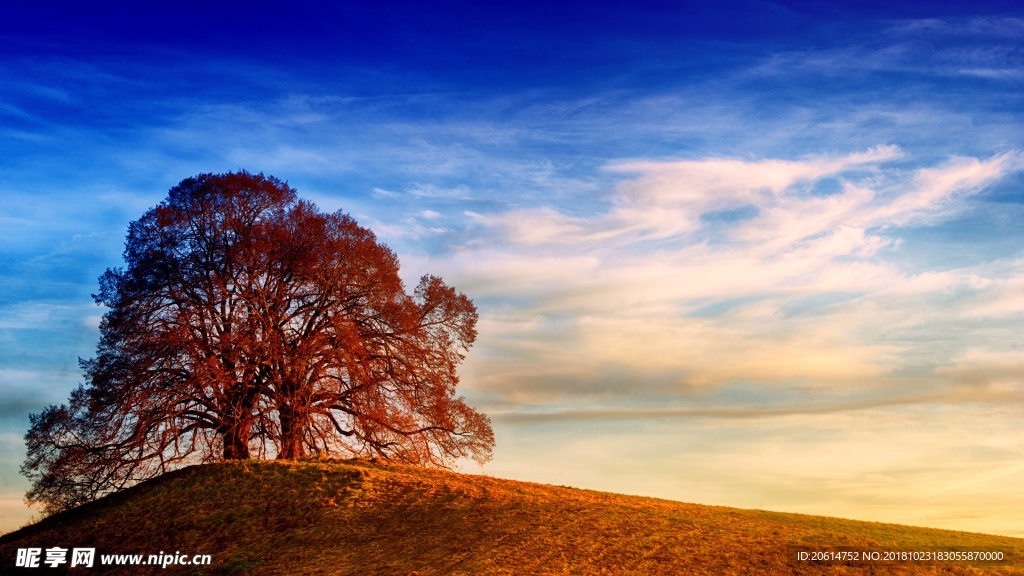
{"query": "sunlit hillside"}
[(381, 519)]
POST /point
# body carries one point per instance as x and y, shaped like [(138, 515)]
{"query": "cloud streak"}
[(717, 271)]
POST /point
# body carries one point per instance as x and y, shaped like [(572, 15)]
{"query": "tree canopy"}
[(247, 323)]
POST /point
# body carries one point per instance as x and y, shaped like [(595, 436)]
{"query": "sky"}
[(745, 253)]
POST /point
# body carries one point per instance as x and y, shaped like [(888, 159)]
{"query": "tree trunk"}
[(236, 442), (293, 424)]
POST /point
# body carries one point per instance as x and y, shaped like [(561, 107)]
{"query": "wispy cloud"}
[(936, 47), (716, 271)]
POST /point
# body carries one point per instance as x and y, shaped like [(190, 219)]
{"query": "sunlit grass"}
[(371, 518)]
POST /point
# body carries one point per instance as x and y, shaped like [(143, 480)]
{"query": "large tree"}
[(247, 323)]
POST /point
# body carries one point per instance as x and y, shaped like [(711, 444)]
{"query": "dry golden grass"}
[(360, 518)]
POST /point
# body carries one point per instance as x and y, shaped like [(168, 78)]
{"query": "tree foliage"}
[(247, 323)]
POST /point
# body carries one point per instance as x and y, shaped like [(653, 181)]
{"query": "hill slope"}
[(381, 519)]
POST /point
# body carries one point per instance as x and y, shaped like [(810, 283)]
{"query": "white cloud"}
[(934, 191), (32, 315), (382, 193), (535, 226), (803, 287)]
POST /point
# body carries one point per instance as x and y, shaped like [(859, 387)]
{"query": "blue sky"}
[(754, 253)]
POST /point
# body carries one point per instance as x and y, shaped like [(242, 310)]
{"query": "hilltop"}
[(362, 518)]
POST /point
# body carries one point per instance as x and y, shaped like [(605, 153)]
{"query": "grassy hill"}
[(382, 519)]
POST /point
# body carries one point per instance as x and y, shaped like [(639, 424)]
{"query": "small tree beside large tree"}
[(247, 323)]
